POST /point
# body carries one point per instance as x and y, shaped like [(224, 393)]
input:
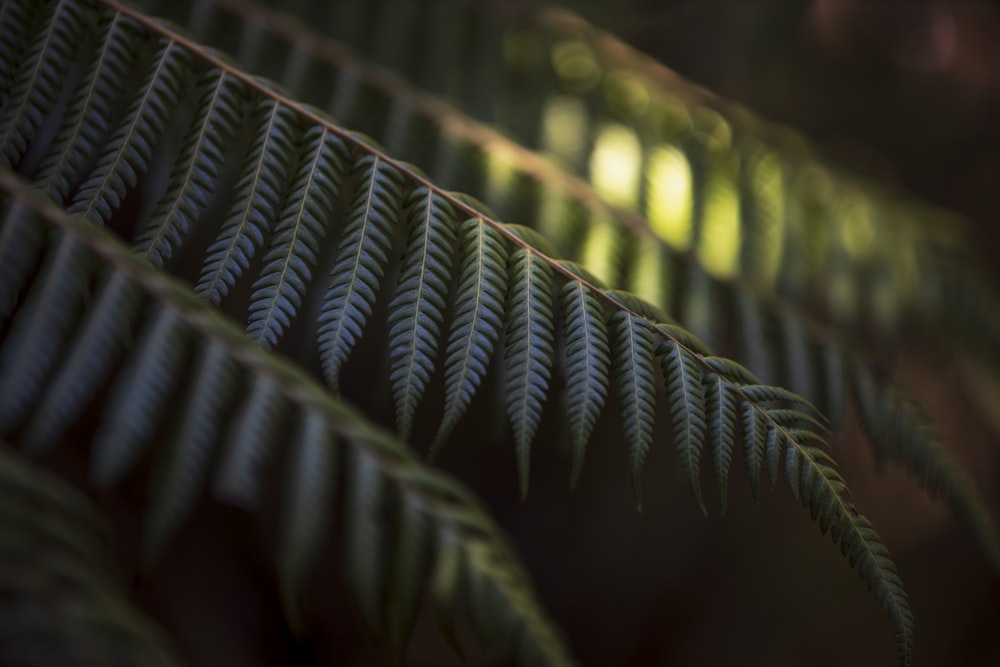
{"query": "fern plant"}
[(779, 342), (247, 209)]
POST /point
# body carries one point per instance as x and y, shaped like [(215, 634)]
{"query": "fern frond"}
[(257, 200), (687, 404), (185, 463), (102, 335), (138, 398), (529, 351), (295, 242), (198, 168), (364, 552), (16, 20), (249, 447), (588, 357), (416, 312), (19, 242), (461, 153), (34, 342), (905, 437), (477, 321), (408, 570), (128, 152), (479, 310), (54, 547), (360, 265), (720, 418), (753, 433), (382, 470), (91, 110), (310, 492), (632, 372), (37, 85)]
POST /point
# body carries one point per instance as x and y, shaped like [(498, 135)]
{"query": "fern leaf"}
[(256, 202), (20, 241), (250, 444), (198, 167), (774, 444), (381, 468), (364, 550), (643, 309), (482, 285), (189, 452), (772, 394), (17, 17), (91, 111), (416, 312), (362, 256), (821, 490), (587, 359), (138, 399), (130, 148), (37, 338), (632, 364), (686, 399), (732, 370), (529, 352), (55, 548), (103, 334), (531, 238), (446, 583), (497, 603), (410, 558), (720, 415), (691, 342), (36, 87), (753, 433), (291, 259), (901, 434), (307, 510)]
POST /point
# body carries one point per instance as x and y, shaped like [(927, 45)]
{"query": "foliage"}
[(245, 207)]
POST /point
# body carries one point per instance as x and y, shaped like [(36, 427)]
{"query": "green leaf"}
[(529, 352), (295, 243), (587, 360), (753, 433), (416, 312), (33, 345), (127, 154), (365, 551), (686, 399), (101, 337), (138, 398), (183, 466), (92, 109), (307, 511), (250, 443), (198, 168), (36, 86), (632, 366), (257, 200), (476, 323), (720, 414), (362, 256)]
